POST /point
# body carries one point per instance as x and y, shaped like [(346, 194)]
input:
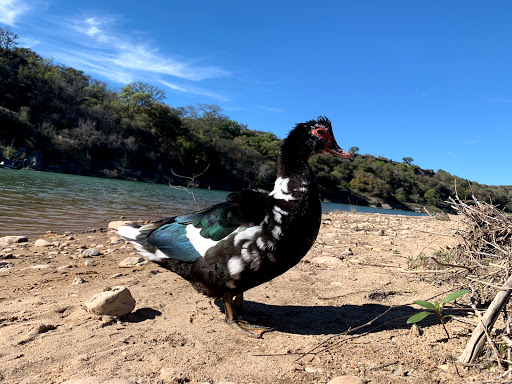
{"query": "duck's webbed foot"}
[(234, 318)]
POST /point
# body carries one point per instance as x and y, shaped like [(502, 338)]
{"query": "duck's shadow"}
[(325, 320)]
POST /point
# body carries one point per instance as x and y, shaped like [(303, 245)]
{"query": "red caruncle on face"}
[(321, 132)]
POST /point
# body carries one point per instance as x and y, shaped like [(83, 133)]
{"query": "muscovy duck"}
[(230, 247)]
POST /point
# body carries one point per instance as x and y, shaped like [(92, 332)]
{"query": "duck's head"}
[(314, 137)]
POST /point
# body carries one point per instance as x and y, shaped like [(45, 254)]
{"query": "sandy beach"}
[(356, 271)]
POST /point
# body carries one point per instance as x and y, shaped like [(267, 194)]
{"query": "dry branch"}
[(485, 242), (480, 334), (485, 247)]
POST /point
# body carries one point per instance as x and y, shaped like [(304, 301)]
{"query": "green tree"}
[(432, 197), (353, 150), (132, 102), (8, 39), (155, 93), (407, 160)]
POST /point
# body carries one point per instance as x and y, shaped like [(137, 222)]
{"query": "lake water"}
[(32, 203)]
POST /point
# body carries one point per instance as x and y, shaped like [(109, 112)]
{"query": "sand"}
[(357, 270)]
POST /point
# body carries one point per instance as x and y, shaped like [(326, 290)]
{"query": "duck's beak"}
[(337, 151)]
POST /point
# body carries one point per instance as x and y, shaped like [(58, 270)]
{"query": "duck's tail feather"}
[(137, 235)]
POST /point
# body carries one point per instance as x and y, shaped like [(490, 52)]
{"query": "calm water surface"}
[(32, 203)]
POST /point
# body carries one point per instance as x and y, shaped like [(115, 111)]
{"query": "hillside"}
[(59, 119)]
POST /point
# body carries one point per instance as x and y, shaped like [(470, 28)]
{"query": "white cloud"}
[(271, 109), (193, 90), (131, 57), (94, 27), (28, 42), (11, 10)]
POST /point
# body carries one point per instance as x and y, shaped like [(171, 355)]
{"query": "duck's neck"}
[(292, 162), (295, 181)]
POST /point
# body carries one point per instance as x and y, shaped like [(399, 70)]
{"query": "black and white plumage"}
[(230, 247)]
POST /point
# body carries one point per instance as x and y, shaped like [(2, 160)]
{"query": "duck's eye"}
[(320, 132)]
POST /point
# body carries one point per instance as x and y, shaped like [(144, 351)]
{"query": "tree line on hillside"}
[(57, 118)]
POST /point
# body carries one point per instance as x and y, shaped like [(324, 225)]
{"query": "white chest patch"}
[(281, 190)]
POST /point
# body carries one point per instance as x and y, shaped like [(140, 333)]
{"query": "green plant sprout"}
[(436, 308)]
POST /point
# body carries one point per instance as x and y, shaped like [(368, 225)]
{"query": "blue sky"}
[(431, 80)]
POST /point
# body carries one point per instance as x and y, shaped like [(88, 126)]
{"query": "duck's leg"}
[(236, 321), (239, 305)]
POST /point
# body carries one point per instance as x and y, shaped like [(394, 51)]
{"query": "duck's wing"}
[(187, 238)]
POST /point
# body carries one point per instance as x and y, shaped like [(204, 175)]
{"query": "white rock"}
[(133, 262), (327, 260), (314, 369), (43, 266), (346, 380), (114, 225), (42, 243), (117, 301), (8, 240)]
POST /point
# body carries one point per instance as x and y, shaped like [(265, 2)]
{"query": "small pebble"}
[(115, 275), (5, 264), (43, 266), (90, 263), (415, 330), (347, 253), (346, 380), (78, 280), (133, 262), (314, 369), (90, 252)]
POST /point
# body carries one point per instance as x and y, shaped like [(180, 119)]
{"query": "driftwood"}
[(478, 338), (485, 249)]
